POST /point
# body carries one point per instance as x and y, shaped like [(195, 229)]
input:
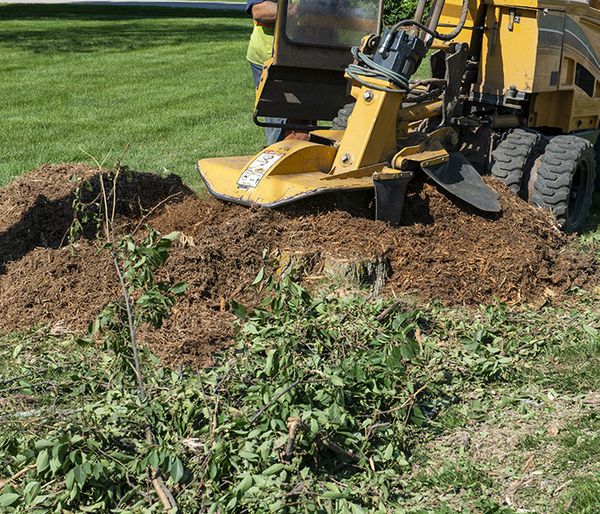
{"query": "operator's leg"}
[(272, 134)]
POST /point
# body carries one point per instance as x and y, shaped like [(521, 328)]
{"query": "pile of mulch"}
[(445, 251)]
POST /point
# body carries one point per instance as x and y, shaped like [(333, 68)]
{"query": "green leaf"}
[(389, 451), (179, 288), (259, 277), (43, 461), (357, 509), (245, 484), (269, 361), (70, 479), (272, 470), (176, 470), (39, 499), (153, 460), (212, 471), (55, 464), (80, 475), (31, 486), (40, 444), (331, 495), (7, 499), (337, 381), (248, 455), (238, 310), (31, 490), (173, 236), (17, 351)]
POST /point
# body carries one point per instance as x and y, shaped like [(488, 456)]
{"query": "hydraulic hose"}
[(365, 66)]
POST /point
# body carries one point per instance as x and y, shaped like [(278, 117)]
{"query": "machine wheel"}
[(563, 180), (340, 122), (513, 159)]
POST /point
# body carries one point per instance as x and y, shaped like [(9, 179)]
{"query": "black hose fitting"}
[(400, 52)]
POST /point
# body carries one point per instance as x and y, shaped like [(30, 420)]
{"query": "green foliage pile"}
[(363, 383)]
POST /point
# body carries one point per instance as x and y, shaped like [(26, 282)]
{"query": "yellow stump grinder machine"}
[(514, 91)]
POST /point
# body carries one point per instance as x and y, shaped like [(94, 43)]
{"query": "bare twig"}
[(27, 386), (372, 428), (107, 224), (25, 415), (158, 483), (117, 167), (132, 334), (17, 475), (386, 313), (96, 162), (411, 399), (14, 379), (338, 450), (119, 161), (165, 496)]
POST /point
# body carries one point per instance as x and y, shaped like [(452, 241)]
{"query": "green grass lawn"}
[(173, 84)]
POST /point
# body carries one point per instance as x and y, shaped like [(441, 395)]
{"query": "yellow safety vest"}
[(261, 44)]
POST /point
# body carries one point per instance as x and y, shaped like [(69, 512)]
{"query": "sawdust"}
[(445, 251)]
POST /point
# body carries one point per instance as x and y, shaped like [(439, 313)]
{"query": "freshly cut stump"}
[(358, 272), (294, 264), (347, 273)]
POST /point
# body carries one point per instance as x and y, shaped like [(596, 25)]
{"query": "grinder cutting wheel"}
[(513, 91)]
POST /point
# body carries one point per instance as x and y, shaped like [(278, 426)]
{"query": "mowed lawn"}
[(78, 81)]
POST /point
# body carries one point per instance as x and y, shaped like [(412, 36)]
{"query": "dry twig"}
[(16, 476), (164, 494), (293, 424)]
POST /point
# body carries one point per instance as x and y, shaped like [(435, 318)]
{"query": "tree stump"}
[(343, 272)]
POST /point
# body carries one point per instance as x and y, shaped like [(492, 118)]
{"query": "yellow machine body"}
[(547, 50), (514, 63), (345, 160)]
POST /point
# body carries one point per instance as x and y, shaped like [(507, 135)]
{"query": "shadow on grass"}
[(130, 34), (107, 12)]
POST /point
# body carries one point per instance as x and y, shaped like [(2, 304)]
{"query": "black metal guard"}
[(285, 125)]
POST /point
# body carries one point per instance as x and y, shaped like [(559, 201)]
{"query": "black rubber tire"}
[(563, 180), (514, 157), (340, 122)]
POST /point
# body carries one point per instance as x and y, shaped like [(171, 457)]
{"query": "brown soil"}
[(444, 252)]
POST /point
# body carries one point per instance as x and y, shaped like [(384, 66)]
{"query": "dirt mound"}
[(445, 251), (36, 209)]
